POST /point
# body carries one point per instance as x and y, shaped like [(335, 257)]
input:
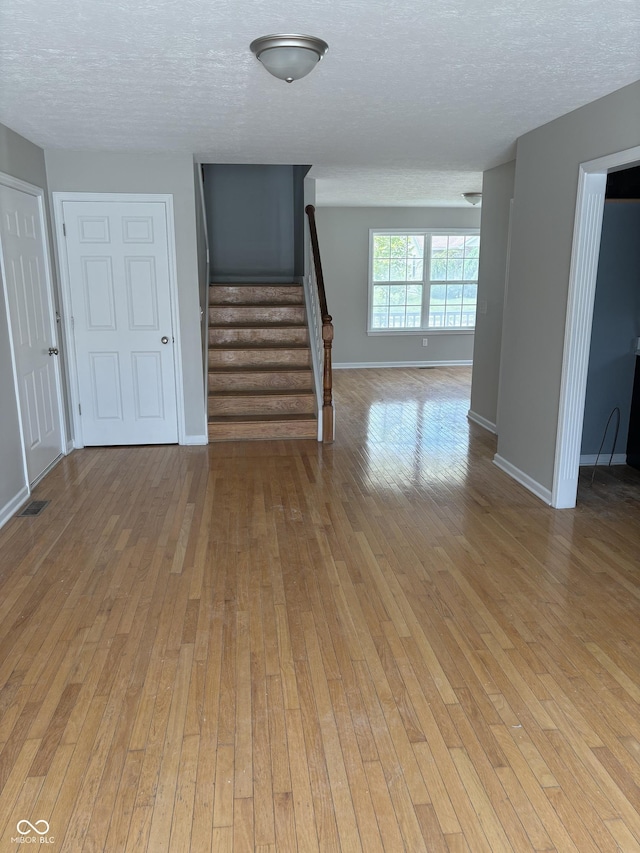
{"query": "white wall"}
[(497, 192), (546, 183), (101, 172), (20, 159), (343, 235)]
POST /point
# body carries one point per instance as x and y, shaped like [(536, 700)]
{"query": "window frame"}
[(426, 282)]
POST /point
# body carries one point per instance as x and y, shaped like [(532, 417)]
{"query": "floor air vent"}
[(33, 508)]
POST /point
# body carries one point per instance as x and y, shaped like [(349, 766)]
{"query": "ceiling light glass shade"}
[(472, 198), (289, 57)]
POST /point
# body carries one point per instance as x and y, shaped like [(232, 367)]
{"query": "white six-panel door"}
[(33, 328), (117, 254)]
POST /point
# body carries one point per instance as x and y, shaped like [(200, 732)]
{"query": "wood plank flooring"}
[(380, 645)]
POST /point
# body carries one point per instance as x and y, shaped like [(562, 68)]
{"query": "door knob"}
[(53, 350), (164, 339)]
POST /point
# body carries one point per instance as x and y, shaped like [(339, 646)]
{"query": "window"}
[(423, 280)]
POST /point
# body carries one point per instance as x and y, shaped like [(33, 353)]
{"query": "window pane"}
[(398, 269), (439, 244), (456, 246), (471, 270), (381, 294), (398, 246), (437, 304), (472, 246), (438, 294), (470, 293), (438, 269), (454, 317), (414, 269), (380, 270), (381, 246), (454, 293), (380, 318), (454, 270), (398, 294), (396, 317), (414, 294), (415, 246)]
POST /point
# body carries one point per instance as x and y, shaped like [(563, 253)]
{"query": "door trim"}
[(38, 193), (164, 198)]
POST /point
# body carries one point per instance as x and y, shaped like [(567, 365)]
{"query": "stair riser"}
[(254, 295), (262, 358), (222, 406), (262, 381), (281, 337), (220, 315), (239, 432)]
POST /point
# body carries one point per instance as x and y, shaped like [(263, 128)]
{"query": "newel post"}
[(328, 420)]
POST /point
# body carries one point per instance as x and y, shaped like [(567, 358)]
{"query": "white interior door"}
[(119, 282), (33, 329)]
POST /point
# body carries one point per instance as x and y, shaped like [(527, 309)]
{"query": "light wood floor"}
[(384, 644)]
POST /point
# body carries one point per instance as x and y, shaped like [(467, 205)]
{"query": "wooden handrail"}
[(328, 419), (313, 231)]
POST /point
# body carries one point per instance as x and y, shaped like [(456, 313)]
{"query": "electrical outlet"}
[(425, 341)]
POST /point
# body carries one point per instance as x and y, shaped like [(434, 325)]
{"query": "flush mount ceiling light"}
[(289, 57), (472, 198)]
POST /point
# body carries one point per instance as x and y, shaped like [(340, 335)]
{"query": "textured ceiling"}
[(412, 102)]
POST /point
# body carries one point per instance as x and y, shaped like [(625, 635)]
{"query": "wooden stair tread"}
[(231, 326), (259, 369), (254, 284), (255, 304), (259, 346), (266, 418), (269, 392)]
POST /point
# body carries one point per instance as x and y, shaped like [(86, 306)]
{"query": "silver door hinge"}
[(64, 229)]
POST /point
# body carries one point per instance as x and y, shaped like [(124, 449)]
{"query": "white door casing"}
[(28, 291), (122, 319)]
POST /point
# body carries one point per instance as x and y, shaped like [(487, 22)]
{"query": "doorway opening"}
[(592, 184)]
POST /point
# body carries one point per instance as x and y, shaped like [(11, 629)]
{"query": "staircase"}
[(260, 375)]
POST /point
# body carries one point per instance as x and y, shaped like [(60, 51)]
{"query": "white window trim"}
[(427, 233)]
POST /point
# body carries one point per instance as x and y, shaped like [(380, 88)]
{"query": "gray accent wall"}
[(254, 221), (20, 159), (103, 172), (497, 193), (343, 235), (547, 166), (615, 330)]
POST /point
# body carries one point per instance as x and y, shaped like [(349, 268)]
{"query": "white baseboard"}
[(360, 364), (603, 459), (10, 508), (69, 448), (483, 422), (524, 479), (194, 440)]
